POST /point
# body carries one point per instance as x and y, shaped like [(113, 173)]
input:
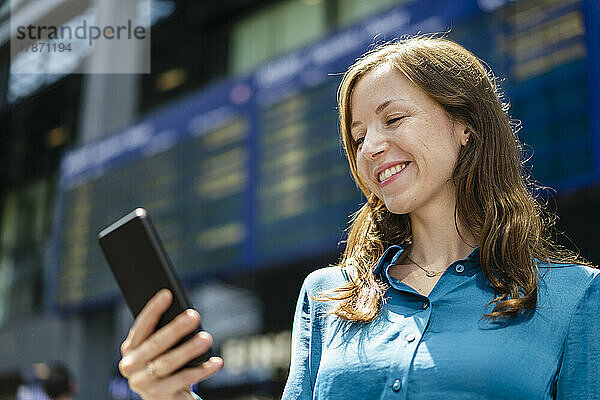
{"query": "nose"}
[(373, 145)]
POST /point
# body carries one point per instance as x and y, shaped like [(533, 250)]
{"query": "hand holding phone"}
[(166, 335), (152, 366)]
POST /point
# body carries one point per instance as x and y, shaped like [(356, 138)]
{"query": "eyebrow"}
[(378, 110), (382, 106)]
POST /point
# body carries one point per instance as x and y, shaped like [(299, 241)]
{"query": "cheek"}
[(447, 157), (364, 172)]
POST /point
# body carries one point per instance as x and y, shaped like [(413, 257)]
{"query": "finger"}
[(141, 382), (168, 336), (171, 361), (187, 377), (161, 341), (145, 322)]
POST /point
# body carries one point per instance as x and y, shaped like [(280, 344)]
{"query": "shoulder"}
[(567, 283), (311, 301), (567, 277), (324, 279)]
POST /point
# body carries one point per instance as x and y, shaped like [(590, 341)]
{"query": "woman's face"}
[(407, 144)]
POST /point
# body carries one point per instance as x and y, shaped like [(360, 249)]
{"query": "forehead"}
[(381, 84)]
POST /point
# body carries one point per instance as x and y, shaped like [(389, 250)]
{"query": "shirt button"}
[(397, 385), (410, 337), (459, 268), (425, 304)]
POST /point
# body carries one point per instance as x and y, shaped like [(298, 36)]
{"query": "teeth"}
[(391, 171)]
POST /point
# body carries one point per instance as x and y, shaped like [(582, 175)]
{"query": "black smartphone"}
[(142, 267)]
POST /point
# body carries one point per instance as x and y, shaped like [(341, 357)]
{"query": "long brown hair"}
[(493, 201)]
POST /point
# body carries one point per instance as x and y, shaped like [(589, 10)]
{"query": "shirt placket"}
[(408, 344), (415, 327), (411, 332)]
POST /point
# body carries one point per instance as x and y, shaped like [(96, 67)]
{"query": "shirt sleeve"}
[(299, 383), (578, 375)]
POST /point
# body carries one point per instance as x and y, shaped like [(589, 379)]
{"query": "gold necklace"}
[(428, 273)]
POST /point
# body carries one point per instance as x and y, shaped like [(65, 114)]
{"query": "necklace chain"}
[(428, 273)]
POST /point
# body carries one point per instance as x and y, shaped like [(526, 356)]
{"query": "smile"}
[(386, 174)]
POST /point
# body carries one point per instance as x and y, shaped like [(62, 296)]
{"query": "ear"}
[(461, 133), (465, 136)]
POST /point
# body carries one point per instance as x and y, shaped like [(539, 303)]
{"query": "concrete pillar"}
[(109, 101)]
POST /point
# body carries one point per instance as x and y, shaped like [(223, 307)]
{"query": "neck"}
[(436, 241)]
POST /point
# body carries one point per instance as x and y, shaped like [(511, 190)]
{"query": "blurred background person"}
[(47, 381), (59, 384)]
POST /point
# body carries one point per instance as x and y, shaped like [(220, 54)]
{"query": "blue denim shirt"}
[(440, 347)]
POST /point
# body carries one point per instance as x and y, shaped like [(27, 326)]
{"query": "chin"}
[(398, 210), (394, 204), (399, 207)]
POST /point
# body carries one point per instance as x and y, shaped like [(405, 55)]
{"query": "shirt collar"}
[(392, 253)]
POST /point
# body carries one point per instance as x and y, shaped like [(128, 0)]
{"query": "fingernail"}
[(215, 360)]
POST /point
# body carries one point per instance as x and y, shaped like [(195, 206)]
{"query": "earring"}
[(467, 141)]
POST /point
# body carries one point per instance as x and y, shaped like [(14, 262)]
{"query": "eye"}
[(359, 141), (393, 120)]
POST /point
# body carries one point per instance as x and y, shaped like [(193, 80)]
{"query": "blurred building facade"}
[(199, 48)]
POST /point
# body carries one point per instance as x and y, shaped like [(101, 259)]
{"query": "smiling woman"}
[(456, 130), (449, 286)]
